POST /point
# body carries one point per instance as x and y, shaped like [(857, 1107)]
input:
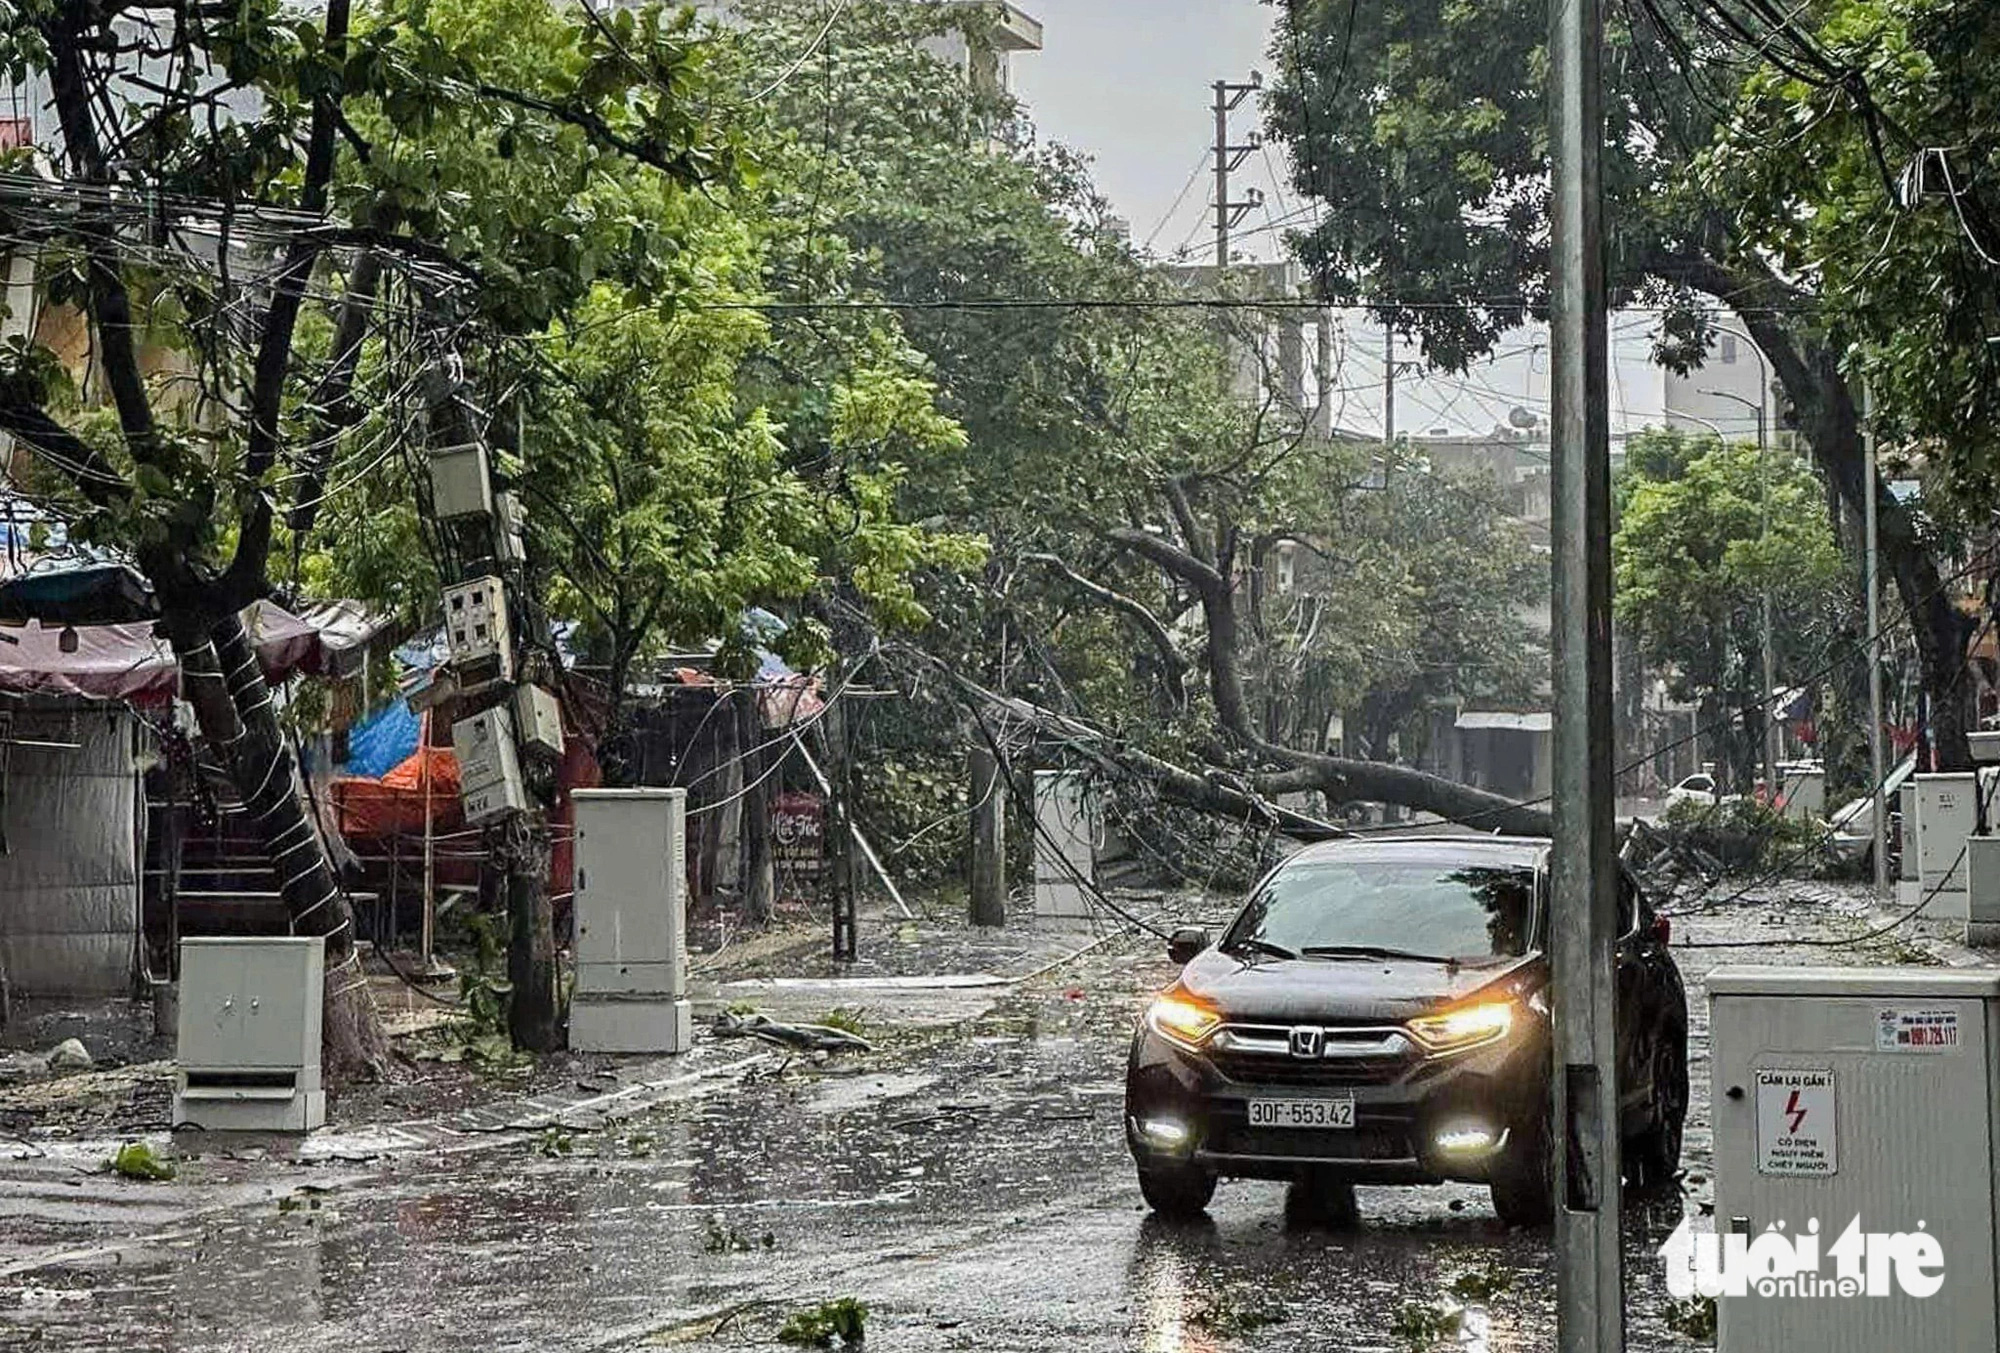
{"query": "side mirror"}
[(1188, 941)]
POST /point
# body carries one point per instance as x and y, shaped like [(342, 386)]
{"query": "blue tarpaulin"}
[(383, 740)]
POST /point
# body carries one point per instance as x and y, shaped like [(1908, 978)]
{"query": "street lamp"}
[(1764, 528)]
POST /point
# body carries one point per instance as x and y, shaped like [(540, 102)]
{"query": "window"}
[(1466, 912), (1725, 348)]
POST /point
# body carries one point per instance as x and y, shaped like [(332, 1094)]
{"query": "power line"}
[(1201, 163), (1142, 303), (812, 49)]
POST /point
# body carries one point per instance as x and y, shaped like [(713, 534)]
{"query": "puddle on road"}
[(854, 1092)]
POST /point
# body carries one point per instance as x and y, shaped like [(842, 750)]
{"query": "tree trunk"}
[(1339, 778), (221, 679), (1830, 422), (520, 846)]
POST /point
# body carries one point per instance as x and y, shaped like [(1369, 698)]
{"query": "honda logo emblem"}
[(1308, 1042)]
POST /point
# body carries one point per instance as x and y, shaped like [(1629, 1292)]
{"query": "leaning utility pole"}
[(1228, 98), (1590, 1304)]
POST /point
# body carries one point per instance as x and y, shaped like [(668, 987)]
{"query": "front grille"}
[(1260, 1069), (1309, 1143)]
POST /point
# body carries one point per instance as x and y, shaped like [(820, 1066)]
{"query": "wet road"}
[(967, 1182)]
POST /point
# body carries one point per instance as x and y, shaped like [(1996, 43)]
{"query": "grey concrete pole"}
[(1590, 1303), (1872, 581), (1222, 106), (1388, 387), (1771, 784)]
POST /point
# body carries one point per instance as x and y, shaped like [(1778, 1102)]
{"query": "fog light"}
[(1164, 1131), (1467, 1138)]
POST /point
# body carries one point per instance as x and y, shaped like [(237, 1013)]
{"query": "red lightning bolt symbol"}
[(1796, 1110)]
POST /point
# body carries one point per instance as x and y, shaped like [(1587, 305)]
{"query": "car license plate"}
[(1303, 1113)]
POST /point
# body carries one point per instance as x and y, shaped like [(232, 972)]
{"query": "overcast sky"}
[(1129, 82)]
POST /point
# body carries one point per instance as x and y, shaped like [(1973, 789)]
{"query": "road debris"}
[(800, 1037)]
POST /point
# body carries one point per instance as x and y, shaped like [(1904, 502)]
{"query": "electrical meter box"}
[(489, 768), (510, 525), (538, 719), (478, 632), (249, 1034), (1859, 1099), (631, 921), (1947, 813), (461, 485)]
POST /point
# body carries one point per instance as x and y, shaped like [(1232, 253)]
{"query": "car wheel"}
[(1177, 1192), (1322, 1201), (1523, 1182), (1653, 1158)]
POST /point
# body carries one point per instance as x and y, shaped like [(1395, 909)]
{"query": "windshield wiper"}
[(1261, 947), (1372, 951)]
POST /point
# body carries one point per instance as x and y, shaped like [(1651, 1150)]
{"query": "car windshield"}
[(1468, 913)]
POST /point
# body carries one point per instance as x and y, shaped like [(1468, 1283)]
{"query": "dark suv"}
[(1378, 1013)]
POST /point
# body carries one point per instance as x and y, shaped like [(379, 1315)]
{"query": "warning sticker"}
[(1795, 1126), (1916, 1030)]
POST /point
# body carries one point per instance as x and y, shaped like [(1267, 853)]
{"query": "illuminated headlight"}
[(1182, 1020), (1466, 1027), (1465, 1137)]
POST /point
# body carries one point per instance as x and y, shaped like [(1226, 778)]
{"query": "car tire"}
[(1653, 1158), (1523, 1179), (1322, 1202), (1177, 1192)]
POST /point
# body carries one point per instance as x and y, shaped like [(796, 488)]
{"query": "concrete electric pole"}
[(1590, 1296), (1388, 385), (1877, 763), (1228, 98)]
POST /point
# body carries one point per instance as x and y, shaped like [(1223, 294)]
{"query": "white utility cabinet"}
[(1065, 846), (1982, 885), (249, 1034), (631, 922), (1947, 813), (1907, 891), (1869, 1093), (1804, 790)]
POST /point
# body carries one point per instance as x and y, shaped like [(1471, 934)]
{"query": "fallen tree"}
[(1238, 796)]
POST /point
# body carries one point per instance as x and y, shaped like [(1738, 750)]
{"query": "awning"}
[(345, 629), (1541, 722), (129, 662), (98, 594)]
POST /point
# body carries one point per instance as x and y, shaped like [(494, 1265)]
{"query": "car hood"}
[(1255, 989)]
